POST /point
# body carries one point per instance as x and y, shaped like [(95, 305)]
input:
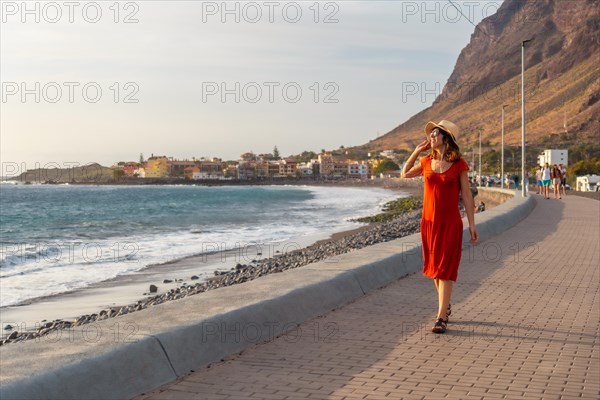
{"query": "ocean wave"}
[(122, 239)]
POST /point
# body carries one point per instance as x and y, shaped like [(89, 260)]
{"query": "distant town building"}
[(273, 169), (246, 170), (340, 168), (190, 171), (212, 167), (177, 167), (157, 167), (126, 169), (230, 171), (129, 168), (554, 157), (305, 169), (288, 167), (588, 183), (357, 169), (326, 164), (262, 169)]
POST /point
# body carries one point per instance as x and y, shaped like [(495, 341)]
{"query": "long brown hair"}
[(452, 152)]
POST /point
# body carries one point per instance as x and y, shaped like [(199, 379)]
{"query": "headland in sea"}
[(176, 278)]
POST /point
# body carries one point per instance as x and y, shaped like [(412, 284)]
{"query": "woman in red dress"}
[(445, 179)]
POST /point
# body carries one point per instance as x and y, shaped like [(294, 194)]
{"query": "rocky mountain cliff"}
[(562, 65)]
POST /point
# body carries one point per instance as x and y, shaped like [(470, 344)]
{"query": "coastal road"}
[(525, 324)]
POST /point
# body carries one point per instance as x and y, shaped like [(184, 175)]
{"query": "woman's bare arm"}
[(467, 198), (410, 170)]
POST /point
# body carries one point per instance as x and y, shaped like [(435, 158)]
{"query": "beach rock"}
[(153, 289), (44, 331), (167, 281), (194, 277), (13, 335), (8, 327)]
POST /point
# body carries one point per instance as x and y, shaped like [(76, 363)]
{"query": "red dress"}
[(441, 225)]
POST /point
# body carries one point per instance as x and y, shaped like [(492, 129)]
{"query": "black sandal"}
[(440, 326), (449, 312)]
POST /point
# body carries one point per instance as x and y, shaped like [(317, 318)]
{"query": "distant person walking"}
[(556, 181), (546, 178), (563, 183), (445, 178), (538, 177)]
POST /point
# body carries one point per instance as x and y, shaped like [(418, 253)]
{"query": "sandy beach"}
[(169, 276)]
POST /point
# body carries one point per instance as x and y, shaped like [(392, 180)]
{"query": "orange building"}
[(157, 167)]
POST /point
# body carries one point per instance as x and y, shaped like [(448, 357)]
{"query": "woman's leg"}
[(444, 294)]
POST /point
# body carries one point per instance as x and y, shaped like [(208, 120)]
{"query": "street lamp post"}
[(524, 189), (502, 155), (480, 180)]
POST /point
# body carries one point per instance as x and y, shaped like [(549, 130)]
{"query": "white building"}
[(587, 183), (554, 157), (357, 170), (305, 169)]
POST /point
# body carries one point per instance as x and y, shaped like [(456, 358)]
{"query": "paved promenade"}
[(525, 324)]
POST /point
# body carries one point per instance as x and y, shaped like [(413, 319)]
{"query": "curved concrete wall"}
[(121, 357)]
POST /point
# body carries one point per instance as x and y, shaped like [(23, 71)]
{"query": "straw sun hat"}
[(447, 126)]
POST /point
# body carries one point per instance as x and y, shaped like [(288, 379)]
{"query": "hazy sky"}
[(106, 81)]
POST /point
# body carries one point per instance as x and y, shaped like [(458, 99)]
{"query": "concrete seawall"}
[(125, 356)]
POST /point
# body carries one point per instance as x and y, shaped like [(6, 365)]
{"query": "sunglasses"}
[(435, 133)]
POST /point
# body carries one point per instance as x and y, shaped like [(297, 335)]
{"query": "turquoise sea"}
[(56, 238)]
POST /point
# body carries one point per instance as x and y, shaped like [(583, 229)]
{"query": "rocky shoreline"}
[(401, 226)]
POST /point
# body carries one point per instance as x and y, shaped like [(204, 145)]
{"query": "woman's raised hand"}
[(423, 146)]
